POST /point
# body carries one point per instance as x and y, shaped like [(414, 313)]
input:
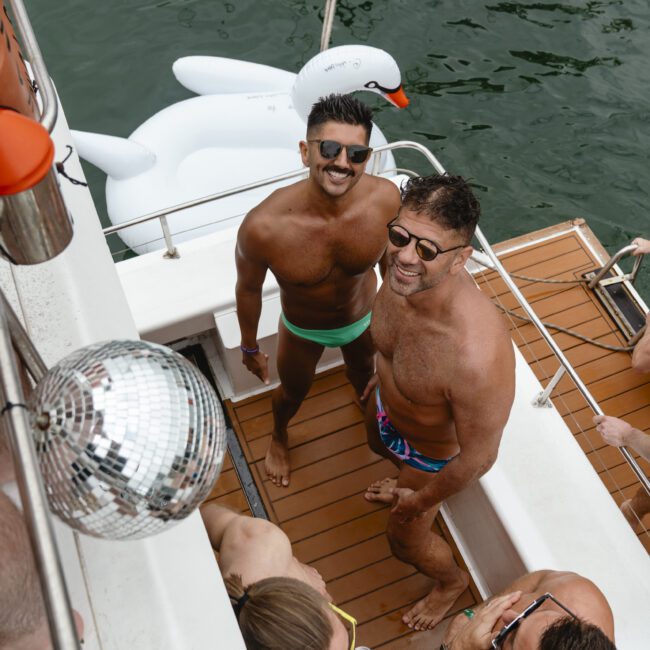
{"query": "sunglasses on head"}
[(498, 640), (330, 149), (426, 249)]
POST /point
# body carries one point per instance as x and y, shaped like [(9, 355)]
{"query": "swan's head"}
[(346, 69)]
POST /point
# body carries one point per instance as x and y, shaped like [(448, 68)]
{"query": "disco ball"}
[(130, 438)]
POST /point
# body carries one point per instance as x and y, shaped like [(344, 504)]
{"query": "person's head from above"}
[(431, 236), (287, 613), (547, 624), (337, 146), (23, 620)]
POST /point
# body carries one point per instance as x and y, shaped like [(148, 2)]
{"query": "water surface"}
[(544, 105)]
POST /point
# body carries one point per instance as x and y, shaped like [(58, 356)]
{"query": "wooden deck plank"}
[(354, 557), (262, 403), (345, 416), (262, 425), (323, 511), (607, 374)]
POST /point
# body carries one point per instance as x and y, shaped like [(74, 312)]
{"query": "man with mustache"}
[(446, 378), (321, 238)]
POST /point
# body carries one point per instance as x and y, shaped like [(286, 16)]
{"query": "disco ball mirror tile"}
[(130, 438)]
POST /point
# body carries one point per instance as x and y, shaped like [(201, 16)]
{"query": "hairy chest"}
[(417, 360)]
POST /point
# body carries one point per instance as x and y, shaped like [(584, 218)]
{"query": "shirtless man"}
[(445, 369), (578, 617), (255, 558), (321, 238)]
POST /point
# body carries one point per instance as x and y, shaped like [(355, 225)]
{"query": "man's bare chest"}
[(417, 361), (313, 258)]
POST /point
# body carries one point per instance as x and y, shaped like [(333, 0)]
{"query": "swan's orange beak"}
[(398, 98)]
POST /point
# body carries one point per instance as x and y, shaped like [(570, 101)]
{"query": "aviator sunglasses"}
[(426, 249), (497, 642), (330, 149)]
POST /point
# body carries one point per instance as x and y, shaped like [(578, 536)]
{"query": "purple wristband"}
[(246, 350)]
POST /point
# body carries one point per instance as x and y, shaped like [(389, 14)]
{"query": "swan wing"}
[(215, 75)]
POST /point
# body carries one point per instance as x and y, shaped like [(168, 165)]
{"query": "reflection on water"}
[(542, 104), (564, 64)]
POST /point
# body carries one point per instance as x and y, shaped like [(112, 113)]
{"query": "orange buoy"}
[(26, 152), (34, 222), (16, 91)]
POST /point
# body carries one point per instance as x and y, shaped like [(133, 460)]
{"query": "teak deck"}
[(619, 390), (323, 511), (330, 524)]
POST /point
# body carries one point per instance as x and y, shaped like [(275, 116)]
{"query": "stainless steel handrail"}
[(626, 250), (32, 495), (39, 70), (435, 163), (205, 199), (328, 19), (401, 144)]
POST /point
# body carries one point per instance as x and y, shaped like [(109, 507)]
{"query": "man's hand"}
[(406, 504), (258, 364), (642, 246), (614, 431), (476, 633), (370, 386)]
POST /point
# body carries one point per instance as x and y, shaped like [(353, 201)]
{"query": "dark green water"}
[(544, 105)]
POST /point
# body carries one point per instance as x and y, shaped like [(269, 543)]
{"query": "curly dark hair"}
[(446, 199), (574, 634), (344, 109)]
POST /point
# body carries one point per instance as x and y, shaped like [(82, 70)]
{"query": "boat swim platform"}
[(566, 251), (330, 525)]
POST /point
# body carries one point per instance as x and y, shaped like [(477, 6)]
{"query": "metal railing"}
[(630, 277), (33, 55), (28, 476), (328, 20), (565, 365), (13, 338)]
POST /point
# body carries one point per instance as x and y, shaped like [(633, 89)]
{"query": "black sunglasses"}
[(498, 640), (426, 249), (330, 149)]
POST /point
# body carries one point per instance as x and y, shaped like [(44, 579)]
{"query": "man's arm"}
[(641, 354), (251, 271)]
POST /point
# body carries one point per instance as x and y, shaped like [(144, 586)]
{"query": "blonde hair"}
[(280, 614)]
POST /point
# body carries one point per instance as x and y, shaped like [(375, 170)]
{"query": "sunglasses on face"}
[(426, 249), (330, 149), (498, 640), (351, 620)]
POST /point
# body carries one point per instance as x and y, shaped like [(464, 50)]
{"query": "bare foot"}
[(429, 611), (276, 464), (381, 491), (630, 515)]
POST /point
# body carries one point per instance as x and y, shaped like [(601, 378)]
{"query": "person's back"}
[(279, 602)]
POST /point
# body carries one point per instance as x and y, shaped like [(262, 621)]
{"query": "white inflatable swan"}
[(244, 127)]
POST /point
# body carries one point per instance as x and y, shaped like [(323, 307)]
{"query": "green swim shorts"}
[(331, 338)]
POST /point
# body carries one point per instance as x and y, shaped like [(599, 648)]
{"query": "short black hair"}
[(344, 109), (446, 199), (574, 634)]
